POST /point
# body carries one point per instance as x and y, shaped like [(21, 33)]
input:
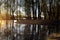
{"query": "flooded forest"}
[(29, 19)]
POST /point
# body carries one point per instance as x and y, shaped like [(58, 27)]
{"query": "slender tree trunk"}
[(27, 9)]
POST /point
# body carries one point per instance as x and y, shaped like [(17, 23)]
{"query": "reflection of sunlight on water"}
[(18, 27), (3, 24)]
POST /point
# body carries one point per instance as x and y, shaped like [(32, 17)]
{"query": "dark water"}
[(9, 29), (12, 30)]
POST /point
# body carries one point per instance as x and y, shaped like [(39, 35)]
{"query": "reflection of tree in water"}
[(30, 7)]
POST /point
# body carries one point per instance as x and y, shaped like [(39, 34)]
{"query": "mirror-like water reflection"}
[(11, 27), (12, 11), (10, 30)]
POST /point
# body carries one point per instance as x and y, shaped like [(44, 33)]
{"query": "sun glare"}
[(3, 23), (0, 21)]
